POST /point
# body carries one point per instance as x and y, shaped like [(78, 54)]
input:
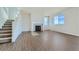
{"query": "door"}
[(46, 23)]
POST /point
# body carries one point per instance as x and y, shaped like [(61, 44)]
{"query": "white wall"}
[(26, 21), (12, 12), (21, 23), (3, 16), (71, 25), (16, 28), (36, 19), (38, 13), (28, 17)]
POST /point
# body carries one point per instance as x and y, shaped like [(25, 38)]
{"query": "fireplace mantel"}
[(37, 24)]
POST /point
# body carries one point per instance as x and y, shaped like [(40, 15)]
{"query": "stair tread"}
[(6, 38), (7, 27), (5, 34), (5, 30)]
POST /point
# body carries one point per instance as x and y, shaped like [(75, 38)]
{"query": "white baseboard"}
[(66, 33)]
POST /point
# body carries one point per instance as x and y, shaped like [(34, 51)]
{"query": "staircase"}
[(6, 32)]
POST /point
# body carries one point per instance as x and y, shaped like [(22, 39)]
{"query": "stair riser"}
[(5, 41), (7, 27), (8, 23), (5, 36), (5, 32)]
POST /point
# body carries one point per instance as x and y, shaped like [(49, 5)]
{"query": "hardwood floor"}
[(45, 41)]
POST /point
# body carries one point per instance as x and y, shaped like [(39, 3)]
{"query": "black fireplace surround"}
[(38, 28)]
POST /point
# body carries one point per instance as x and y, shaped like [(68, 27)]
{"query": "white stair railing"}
[(8, 13), (12, 12), (3, 16)]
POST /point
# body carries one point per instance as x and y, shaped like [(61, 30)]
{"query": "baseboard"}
[(13, 41), (26, 31), (66, 33)]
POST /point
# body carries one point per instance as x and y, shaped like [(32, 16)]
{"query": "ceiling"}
[(45, 11)]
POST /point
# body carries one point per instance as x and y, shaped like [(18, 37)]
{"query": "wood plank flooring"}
[(45, 41)]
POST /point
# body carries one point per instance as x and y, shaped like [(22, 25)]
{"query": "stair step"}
[(5, 35), (7, 27), (9, 20), (4, 40), (5, 30), (7, 24)]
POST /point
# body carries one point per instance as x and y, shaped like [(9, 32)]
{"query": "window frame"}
[(58, 20)]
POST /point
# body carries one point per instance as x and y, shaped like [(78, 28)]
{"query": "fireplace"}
[(38, 28)]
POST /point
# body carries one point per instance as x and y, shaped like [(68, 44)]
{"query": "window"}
[(46, 20), (56, 20), (59, 19)]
